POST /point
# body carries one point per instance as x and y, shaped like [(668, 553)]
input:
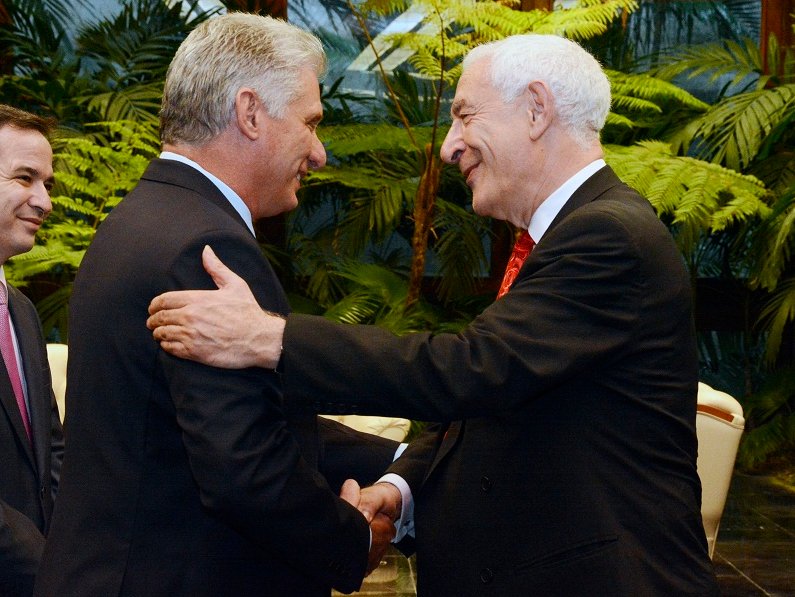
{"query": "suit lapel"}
[(23, 334), (601, 181), (176, 173), (596, 185)]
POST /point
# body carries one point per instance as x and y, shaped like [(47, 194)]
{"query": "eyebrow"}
[(458, 105), (34, 173)]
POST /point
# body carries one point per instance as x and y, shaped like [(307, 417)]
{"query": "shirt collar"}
[(549, 209), (233, 198)]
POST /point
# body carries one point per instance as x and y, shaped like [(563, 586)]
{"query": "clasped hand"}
[(380, 504)]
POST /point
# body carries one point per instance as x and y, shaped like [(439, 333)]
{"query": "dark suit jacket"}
[(28, 474), (183, 479), (574, 472)]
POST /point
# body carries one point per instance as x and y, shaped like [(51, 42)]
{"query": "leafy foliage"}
[(112, 70), (695, 197), (93, 174), (771, 412)]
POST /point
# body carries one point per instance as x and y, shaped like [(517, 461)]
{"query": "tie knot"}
[(524, 244), (3, 294)]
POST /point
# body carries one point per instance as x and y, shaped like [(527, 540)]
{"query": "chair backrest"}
[(719, 426), (57, 355), (388, 427)]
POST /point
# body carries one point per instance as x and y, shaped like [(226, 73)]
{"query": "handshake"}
[(381, 506)]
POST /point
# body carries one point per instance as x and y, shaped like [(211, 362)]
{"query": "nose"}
[(453, 145), (317, 158), (40, 199)]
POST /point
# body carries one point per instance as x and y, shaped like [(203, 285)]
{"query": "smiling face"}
[(491, 143), (25, 181), (289, 149)]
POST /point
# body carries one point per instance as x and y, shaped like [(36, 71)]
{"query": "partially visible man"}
[(183, 479), (571, 469), (31, 439)]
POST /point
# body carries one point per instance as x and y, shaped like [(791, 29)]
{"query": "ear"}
[(247, 115), (540, 108)]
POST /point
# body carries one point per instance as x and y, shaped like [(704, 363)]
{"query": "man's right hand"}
[(382, 526), (381, 498), (223, 328)]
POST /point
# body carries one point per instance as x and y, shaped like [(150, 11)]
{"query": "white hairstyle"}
[(578, 83), (223, 54)]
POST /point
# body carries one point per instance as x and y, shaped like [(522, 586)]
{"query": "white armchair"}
[(57, 355), (719, 426), (388, 427)]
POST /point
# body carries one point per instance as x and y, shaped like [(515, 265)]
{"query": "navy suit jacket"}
[(573, 471), (28, 473), (183, 479)]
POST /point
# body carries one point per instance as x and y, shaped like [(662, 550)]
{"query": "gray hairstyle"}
[(577, 81), (220, 56)]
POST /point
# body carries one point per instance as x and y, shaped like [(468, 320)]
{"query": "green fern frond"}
[(743, 61), (140, 103), (634, 104), (619, 120), (42, 259), (355, 307), (92, 174), (696, 196), (777, 313), (383, 7), (586, 21), (79, 206), (776, 242), (766, 440), (734, 130), (459, 249), (362, 178), (642, 86), (372, 217), (351, 139)]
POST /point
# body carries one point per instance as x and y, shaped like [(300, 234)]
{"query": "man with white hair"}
[(567, 461), (183, 479)]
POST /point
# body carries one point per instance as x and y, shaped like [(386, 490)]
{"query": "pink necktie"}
[(521, 250), (10, 358)]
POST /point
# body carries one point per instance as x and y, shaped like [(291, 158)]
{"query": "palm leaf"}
[(735, 129), (697, 197)]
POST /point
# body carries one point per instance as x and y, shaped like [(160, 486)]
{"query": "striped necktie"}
[(10, 358)]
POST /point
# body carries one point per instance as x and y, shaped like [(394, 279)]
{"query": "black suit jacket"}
[(574, 472), (183, 479), (28, 473)]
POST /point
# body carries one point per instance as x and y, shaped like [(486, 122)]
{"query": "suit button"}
[(486, 576), (42, 492), (485, 484)]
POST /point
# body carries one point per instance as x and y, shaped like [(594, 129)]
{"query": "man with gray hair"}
[(566, 464), (183, 479)]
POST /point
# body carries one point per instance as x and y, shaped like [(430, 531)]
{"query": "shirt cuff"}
[(404, 525)]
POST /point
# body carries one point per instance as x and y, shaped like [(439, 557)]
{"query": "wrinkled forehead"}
[(472, 85)]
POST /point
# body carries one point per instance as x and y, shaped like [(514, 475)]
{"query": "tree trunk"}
[(423, 217)]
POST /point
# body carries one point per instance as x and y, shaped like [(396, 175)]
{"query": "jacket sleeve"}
[(346, 453), (573, 307), (21, 546)]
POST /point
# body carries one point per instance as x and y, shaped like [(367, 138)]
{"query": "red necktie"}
[(10, 358), (521, 250)]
